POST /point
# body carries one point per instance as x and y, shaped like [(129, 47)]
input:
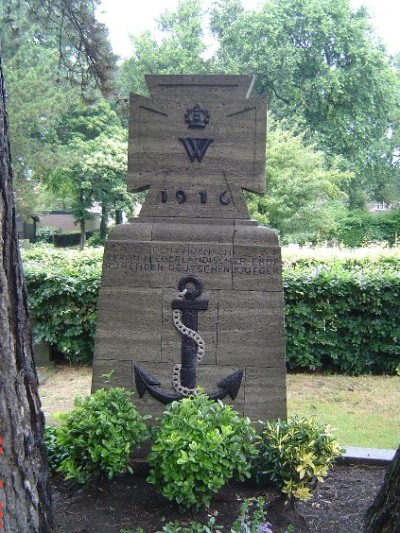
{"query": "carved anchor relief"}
[(185, 318)]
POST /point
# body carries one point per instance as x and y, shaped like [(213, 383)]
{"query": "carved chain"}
[(187, 332)]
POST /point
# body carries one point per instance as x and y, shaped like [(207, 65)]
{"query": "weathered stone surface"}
[(166, 154), (113, 373), (128, 325), (195, 223)]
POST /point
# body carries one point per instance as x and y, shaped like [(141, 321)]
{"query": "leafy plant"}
[(46, 234), (295, 454), (96, 438), (252, 518), (199, 446), (56, 452)]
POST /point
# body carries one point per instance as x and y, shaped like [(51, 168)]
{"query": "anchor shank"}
[(189, 310)]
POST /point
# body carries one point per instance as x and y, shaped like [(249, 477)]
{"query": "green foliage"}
[(341, 310), (48, 48), (72, 238), (96, 438), (96, 239), (56, 452), (200, 445), (63, 288), (359, 227), (178, 49), (304, 198), (295, 454), (322, 66), (46, 234), (95, 171), (342, 315)]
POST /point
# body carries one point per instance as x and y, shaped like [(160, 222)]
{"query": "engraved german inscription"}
[(195, 259)]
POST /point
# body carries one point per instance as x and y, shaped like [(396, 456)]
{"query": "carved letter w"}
[(196, 148)]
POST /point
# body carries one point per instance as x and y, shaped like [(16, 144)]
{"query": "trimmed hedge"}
[(343, 320), (63, 289), (73, 238), (360, 227), (342, 312)]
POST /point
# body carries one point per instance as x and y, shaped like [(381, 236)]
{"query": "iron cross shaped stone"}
[(195, 144)]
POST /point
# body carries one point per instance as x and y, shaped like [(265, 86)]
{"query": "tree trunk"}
[(384, 514), (25, 489), (83, 233), (103, 222), (118, 217)]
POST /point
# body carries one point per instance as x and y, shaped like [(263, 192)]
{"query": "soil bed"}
[(129, 502)]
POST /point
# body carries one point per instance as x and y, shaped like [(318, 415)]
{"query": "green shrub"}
[(96, 239), (199, 446), (96, 438), (361, 227), (72, 238), (46, 234), (343, 317), (295, 454), (63, 289), (56, 453)]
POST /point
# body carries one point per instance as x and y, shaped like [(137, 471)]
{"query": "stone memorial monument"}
[(191, 292)]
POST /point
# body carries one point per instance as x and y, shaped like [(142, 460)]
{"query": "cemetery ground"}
[(363, 409)]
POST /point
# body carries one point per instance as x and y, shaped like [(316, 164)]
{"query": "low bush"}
[(199, 446), (295, 454), (73, 238), (56, 452), (46, 234), (96, 438)]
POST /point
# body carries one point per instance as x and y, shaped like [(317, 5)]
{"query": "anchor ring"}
[(192, 292)]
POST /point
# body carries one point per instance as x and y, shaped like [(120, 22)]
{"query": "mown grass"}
[(365, 410)]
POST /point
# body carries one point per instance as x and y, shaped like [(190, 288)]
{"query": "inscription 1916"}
[(181, 196)]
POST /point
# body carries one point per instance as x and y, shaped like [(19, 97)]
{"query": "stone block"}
[(128, 326), (121, 375), (250, 328), (265, 392)]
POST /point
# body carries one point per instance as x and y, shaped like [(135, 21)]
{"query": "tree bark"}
[(103, 222), (383, 516), (82, 225), (118, 217), (25, 489)]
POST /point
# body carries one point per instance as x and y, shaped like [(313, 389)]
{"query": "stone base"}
[(239, 265)]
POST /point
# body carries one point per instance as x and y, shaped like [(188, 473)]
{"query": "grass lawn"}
[(364, 410)]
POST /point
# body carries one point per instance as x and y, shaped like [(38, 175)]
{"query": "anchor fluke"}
[(229, 385), (145, 382)]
